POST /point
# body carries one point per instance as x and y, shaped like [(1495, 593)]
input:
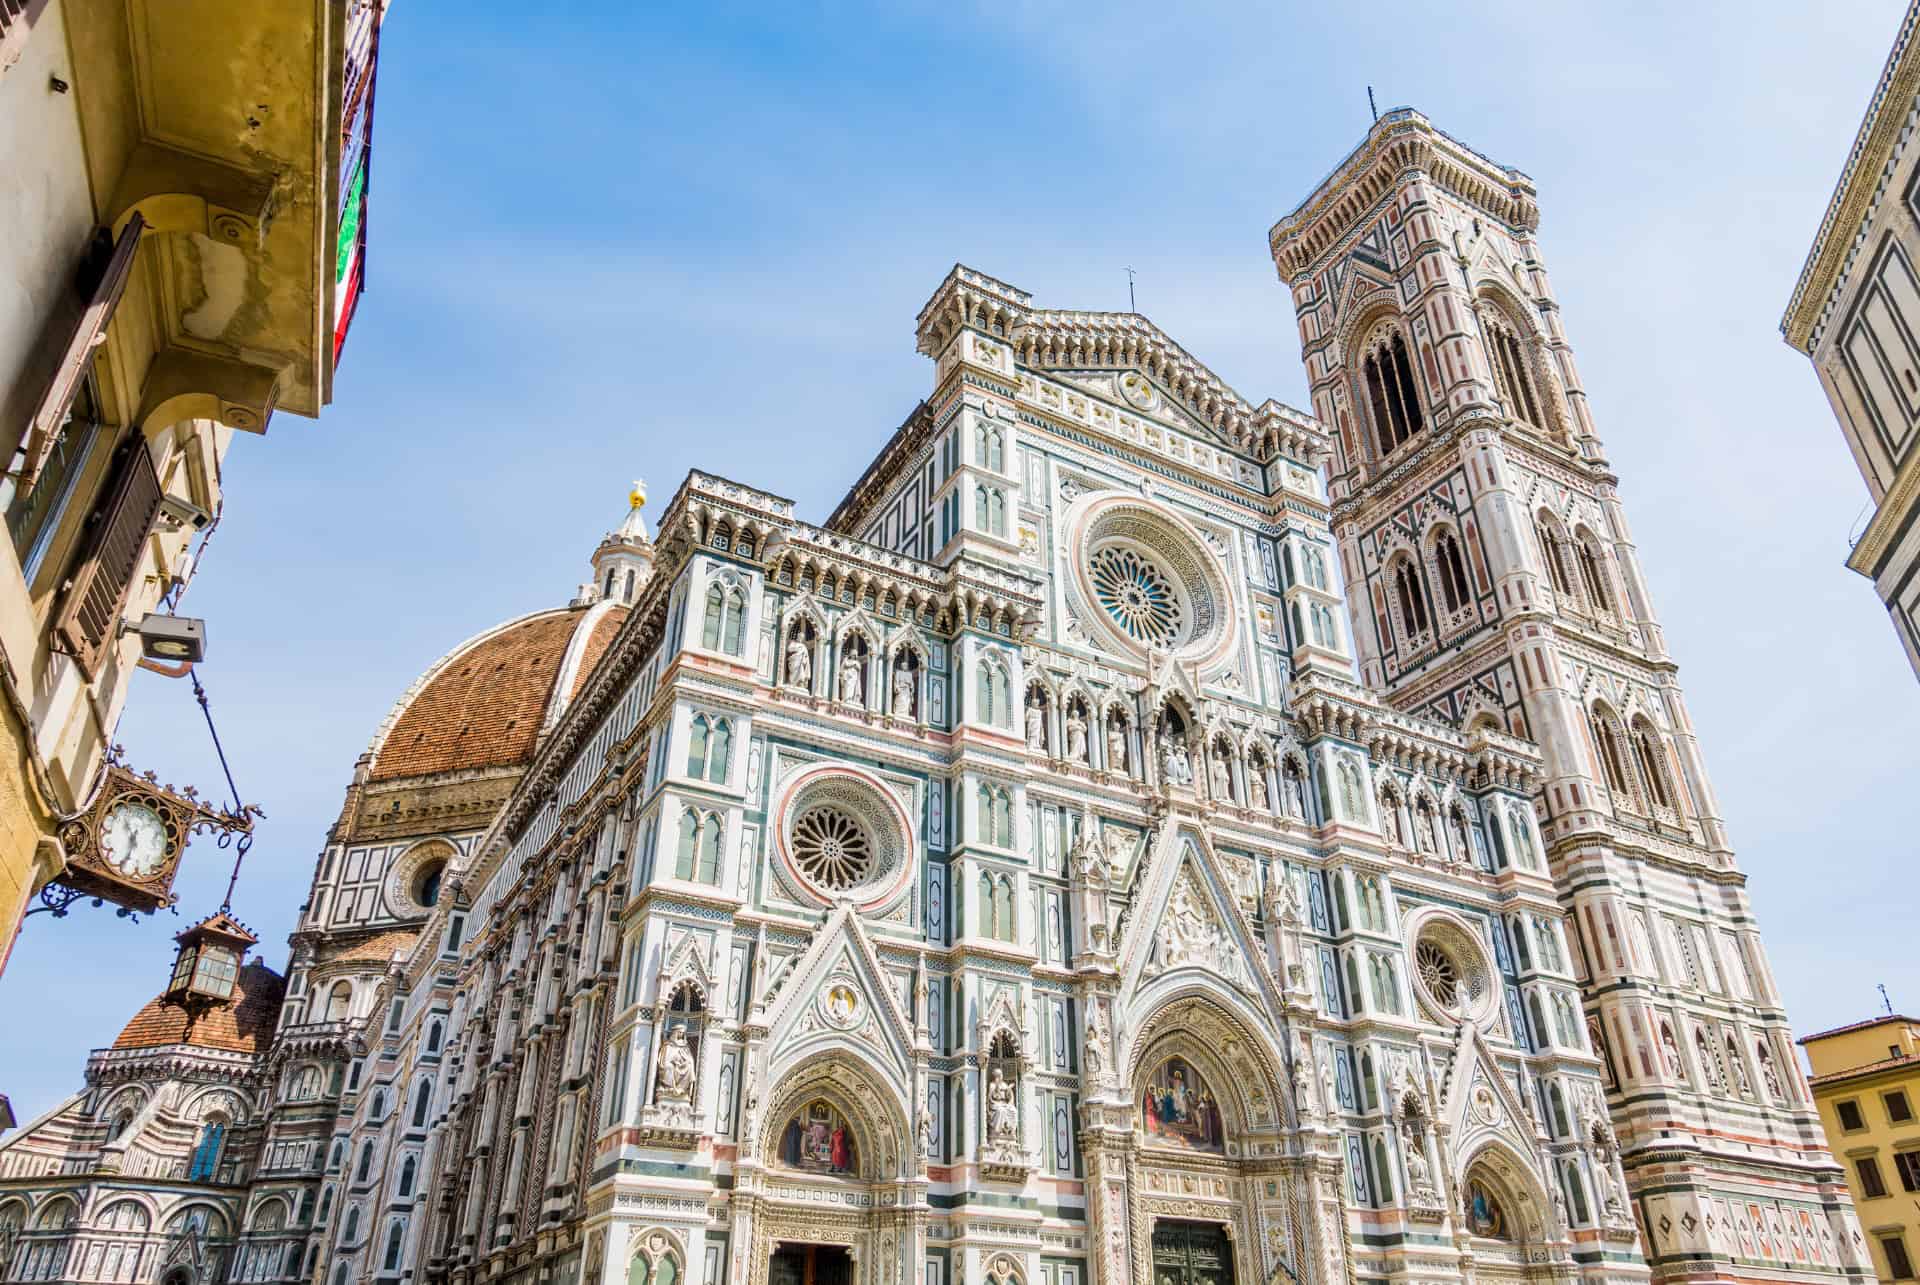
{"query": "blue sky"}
[(611, 240)]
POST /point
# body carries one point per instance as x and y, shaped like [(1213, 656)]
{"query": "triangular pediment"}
[(1481, 1102), (1132, 393), (1364, 281), (1189, 920), (836, 993)]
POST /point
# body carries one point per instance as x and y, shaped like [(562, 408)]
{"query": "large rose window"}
[(1138, 595), (1143, 580)]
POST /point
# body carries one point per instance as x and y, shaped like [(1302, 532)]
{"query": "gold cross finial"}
[(638, 495)]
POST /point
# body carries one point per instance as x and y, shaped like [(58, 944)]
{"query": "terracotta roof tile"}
[(379, 947), (485, 706), (244, 1024)]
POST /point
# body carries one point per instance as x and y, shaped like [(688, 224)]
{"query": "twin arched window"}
[(990, 510), (989, 449), (1410, 596), (709, 748), (1455, 592), (996, 906), (725, 619), (1576, 564), (1644, 750), (1391, 395), (995, 691), (701, 834), (996, 816), (1511, 369), (1650, 755), (206, 1152)]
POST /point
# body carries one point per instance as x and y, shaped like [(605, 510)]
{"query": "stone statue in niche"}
[(674, 1084), (1296, 795), (1116, 747), (1003, 1116), (1093, 1054), (850, 692), (1076, 736), (902, 692), (1175, 767), (1423, 829), (1219, 779), (799, 663), (1036, 729), (1256, 785)]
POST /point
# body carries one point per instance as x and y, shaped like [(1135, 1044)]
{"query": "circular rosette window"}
[(1450, 970), (842, 835), (1142, 580)]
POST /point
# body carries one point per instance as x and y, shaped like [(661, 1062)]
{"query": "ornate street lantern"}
[(211, 952)]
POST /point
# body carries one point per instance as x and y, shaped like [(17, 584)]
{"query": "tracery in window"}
[(1410, 595), (1392, 398), (1555, 552), (709, 747), (724, 624), (1649, 754), (1591, 557), (1511, 369), (1138, 595), (994, 689), (698, 855), (1455, 592), (1610, 743), (831, 847)]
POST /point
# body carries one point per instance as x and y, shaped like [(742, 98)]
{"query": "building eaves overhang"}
[(1882, 130), (1885, 1019), (1866, 1070)]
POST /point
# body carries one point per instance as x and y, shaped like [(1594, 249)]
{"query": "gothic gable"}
[(837, 994), (1189, 919)]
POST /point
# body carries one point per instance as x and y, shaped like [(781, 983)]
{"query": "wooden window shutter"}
[(88, 623), (87, 335)]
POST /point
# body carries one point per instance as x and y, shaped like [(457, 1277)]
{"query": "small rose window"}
[(831, 848)]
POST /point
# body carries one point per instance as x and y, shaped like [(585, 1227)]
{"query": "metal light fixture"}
[(208, 965), (175, 639)]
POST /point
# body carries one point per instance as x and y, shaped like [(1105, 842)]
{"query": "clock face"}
[(134, 840)]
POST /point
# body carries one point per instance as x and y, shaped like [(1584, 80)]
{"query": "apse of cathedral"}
[(1142, 835)]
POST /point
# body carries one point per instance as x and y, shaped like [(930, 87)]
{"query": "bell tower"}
[(1494, 583)]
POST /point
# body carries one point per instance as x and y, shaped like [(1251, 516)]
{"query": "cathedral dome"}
[(485, 703), (242, 1023)]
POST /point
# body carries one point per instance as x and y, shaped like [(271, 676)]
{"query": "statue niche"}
[(672, 1117)]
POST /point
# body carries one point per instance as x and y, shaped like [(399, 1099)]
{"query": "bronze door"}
[(1191, 1254), (810, 1265)]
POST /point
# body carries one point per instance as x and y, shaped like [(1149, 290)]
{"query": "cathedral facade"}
[(1141, 836)]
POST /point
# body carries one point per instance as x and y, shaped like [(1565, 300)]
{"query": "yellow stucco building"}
[(183, 262), (1866, 1082)]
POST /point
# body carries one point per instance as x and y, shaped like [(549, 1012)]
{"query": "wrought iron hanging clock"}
[(125, 845)]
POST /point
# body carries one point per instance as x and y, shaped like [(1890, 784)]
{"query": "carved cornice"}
[(1048, 339), (1400, 142), (1876, 147)]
